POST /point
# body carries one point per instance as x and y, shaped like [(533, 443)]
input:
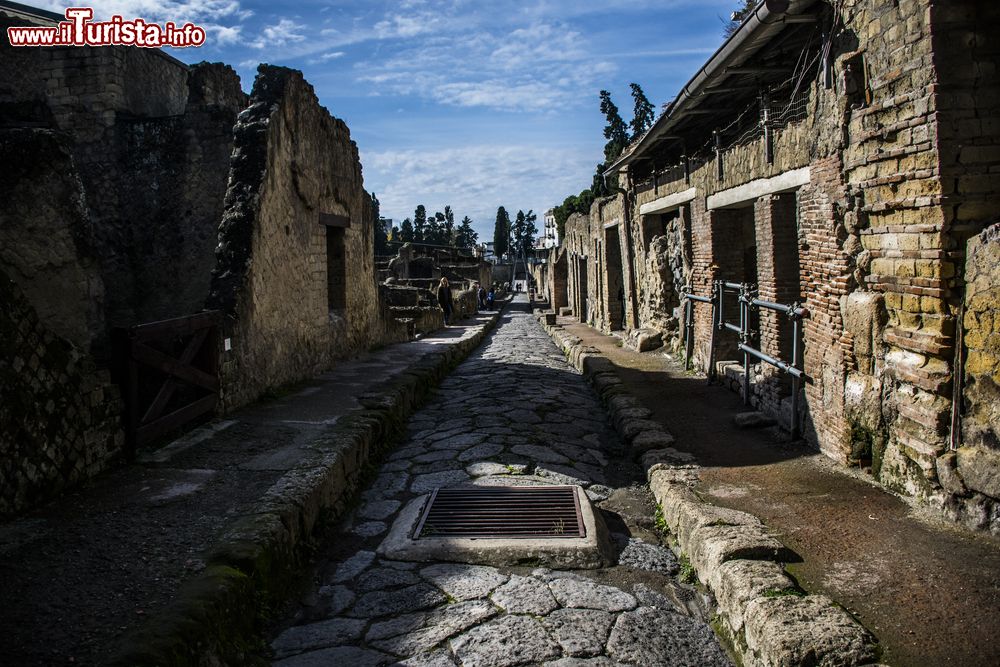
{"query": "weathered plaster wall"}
[(292, 162)]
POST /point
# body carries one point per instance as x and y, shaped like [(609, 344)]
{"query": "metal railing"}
[(746, 296)]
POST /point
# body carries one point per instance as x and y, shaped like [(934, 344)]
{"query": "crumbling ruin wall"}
[(151, 140), (663, 270), (297, 294), (46, 239), (60, 415), (971, 476)]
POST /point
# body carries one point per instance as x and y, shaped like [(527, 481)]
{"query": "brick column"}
[(824, 278), (776, 233)]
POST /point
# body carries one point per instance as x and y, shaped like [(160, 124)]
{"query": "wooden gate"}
[(170, 375)]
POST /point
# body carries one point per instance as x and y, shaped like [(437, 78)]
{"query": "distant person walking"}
[(444, 299), (490, 298), (481, 297)]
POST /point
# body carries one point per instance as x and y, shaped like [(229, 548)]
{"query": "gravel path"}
[(513, 413)]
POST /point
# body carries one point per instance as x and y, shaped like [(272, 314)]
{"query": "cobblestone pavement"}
[(513, 413)]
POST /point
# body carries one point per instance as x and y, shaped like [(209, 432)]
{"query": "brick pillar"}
[(776, 231), (824, 278), (558, 297), (716, 252)]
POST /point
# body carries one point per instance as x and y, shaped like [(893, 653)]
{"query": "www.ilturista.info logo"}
[(79, 30)]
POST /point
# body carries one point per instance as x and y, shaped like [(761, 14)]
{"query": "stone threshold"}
[(215, 615), (763, 614)]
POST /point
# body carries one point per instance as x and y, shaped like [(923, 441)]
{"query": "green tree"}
[(501, 233), (642, 116), (466, 236), (406, 233), (530, 231), (381, 232), (616, 132), (573, 204), (419, 223), (517, 234), (448, 227), (432, 233)]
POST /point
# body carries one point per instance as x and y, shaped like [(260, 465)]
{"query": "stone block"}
[(737, 582), (666, 455), (752, 420), (810, 630), (651, 439), (709, 546), (630, 428), (693, 516), (980, 470)]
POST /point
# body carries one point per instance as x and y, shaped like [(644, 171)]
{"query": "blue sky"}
[(472, 104)]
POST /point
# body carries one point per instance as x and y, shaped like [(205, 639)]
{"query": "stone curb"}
[(767, 619), (214, 618)]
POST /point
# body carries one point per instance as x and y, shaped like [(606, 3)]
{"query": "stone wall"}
[(151, 140), (888, 174), (59, 414), (46, 238), (297, 294), (972, 474)]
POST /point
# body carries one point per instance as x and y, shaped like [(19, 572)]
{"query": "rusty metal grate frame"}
[(502, 512)]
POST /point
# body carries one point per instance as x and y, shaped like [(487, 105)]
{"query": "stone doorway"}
[(615, 285)]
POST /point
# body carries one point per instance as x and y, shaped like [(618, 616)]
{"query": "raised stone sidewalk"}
[(170, 560), (764, 615)]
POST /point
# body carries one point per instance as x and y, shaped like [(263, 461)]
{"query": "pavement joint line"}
[(217, 612), (764, 616)]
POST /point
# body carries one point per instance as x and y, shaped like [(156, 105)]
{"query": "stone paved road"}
[(513, 413)]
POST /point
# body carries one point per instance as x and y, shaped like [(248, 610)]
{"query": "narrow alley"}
[(514, 413)]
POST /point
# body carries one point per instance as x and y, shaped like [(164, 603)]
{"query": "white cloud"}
[(539, 67), (475, 179), (225, 34), (326, 57), (285, 32), (405, 26)]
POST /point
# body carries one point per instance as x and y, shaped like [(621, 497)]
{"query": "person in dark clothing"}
[(490, 297), (481, 296), (444, 299)]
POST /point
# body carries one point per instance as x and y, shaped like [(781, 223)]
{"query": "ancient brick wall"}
[(825, 272), (298, 294), (59, 414), (557, 279), (895, 161)]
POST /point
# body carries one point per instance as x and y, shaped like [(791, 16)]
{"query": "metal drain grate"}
[(502, 512)]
